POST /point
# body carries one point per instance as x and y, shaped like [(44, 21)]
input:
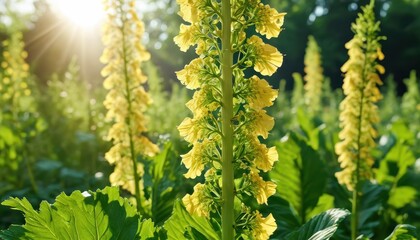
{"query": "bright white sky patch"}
[(82, 13)]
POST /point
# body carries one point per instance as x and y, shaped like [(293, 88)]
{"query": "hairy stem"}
[(227, 129)]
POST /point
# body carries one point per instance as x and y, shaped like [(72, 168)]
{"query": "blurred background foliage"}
[(52, 42)]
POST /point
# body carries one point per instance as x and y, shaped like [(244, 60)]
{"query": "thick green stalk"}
[(355, 202), (227, 115), (128, 122)]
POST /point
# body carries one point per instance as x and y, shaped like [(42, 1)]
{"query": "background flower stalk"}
[(358, 109), (127, 100)]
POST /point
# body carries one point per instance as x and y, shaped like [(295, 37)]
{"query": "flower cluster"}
[(127, 99), (358, 109), (247, 98), (15, 72), (313, 77), (17, 109)]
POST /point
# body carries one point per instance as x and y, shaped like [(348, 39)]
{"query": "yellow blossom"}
[(123, 176), (358, 109), (186, 37), (189, 9), (190, 75), (262, 94), (190, 129), (267, 58), (270, 21), (262, 189), (196, 158), (123, 55), (263, 228), (264, 157), (261, 123), (202, 102), (197, 202)]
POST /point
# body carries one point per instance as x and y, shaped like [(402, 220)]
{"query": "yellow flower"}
[(262, 189), (202, 102), (261, 123), (145, 146), (358, 110), (267, 58), (196, 158), (264, 157), (189, 9), (263, 228), (262, 94), (123, 57), (190, 75), (191, 130), (197, 203), (187, 36), (123, 174), (270, 21)]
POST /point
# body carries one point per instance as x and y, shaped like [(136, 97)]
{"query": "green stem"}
[(227, 129), (355, 202), (354, 212), (128, 121)]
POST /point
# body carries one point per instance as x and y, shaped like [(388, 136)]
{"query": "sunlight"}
[(81, 13)]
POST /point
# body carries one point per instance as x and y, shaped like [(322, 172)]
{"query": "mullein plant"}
[(228, 112), (358, 110), (410, 104), (127, 99), (17, 110), (313, 77)]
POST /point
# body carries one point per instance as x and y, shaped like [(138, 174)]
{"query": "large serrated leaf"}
[(403, 232), (299, 174), (320, 227), (96, 215), (181, 221)]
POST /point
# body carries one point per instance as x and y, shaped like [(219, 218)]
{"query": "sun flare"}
[(81, 13)]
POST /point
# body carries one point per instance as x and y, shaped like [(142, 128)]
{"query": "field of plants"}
[(206, 119)]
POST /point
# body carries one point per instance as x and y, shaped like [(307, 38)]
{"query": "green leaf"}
[(96, 215), (399, 158), (286, 218), (402, 132), (403, 232), (299, 174), (181, 221), (401, 196), (372, 200), (306, 124), (362, 237), (325, 202), (163, 185), (159, 163), (320, 227)]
